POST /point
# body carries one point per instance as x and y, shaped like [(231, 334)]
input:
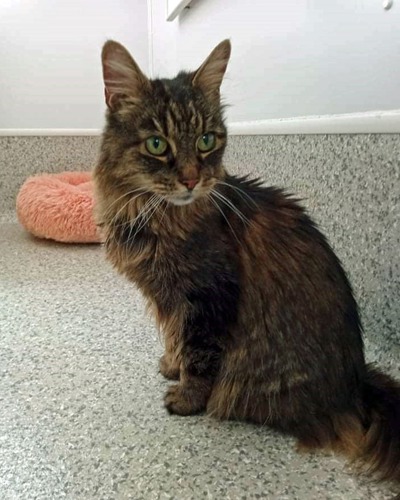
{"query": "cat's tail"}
[(374, 439)]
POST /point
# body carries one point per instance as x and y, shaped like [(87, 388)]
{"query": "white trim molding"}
[(175, 7), (371, 122), (49, 131), (150, 36)]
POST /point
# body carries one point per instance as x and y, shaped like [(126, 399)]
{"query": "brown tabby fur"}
[(258, 316)]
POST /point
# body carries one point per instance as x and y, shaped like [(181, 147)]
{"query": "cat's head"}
[(166, 136)]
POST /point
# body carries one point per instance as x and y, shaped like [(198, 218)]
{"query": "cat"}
[(258, 316)]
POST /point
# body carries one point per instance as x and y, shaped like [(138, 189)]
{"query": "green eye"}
[(206, 142), (156, 145)]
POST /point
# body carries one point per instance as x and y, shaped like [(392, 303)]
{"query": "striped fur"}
[(258, 316)]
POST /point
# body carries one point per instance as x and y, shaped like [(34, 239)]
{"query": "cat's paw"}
[(168, 370), (181, 400)]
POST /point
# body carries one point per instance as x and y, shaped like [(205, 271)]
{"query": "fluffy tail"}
[(373, 440), (382, 441)]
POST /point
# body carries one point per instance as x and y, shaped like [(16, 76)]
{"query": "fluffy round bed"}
[(59, 207)]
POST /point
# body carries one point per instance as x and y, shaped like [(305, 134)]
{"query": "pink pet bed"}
[(59, 207)]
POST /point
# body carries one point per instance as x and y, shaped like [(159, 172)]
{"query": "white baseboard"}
[(371, 122)]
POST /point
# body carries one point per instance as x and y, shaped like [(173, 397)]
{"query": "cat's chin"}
[(181, 200)]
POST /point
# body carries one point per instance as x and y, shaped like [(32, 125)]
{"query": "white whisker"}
[(144, 210), (230, 205), (240, 191), (108, 209), (146, 217), (215, 203), (145, 214), (132, 222), (114, 219), (165, 209), (111, 224), (150, 212)]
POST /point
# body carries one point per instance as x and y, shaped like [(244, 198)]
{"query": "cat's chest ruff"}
[(148, 254), (171, 256)]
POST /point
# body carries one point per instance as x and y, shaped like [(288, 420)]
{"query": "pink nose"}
[(190, 183)]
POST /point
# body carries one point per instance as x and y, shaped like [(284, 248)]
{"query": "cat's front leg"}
[(204, 337), (188, 397), (169, 367), (170, 362), (199, 366)]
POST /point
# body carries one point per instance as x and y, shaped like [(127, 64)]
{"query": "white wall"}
[(50, 72), (290, 58)]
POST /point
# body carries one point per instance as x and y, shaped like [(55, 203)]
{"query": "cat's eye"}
[(156, 145), (206, 142)]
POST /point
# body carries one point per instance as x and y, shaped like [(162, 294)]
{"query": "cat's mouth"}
[(179, 197)]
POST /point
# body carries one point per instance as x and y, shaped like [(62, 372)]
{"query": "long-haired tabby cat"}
[(258, 316)]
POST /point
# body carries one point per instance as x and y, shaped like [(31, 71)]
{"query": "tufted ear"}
[(122, 76), (209, 76)]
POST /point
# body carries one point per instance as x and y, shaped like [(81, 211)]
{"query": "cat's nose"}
[(190, 183)]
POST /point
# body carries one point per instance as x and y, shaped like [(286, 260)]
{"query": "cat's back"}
[(294, 282), (281, 244), (268, 211)]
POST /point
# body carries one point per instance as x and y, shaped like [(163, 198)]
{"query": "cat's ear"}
[(122, 76), (209, 76)]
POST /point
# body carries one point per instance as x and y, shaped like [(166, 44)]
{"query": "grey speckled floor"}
[(81, 413)]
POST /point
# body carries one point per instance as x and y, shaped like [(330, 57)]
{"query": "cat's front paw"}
[(167, 369), (182, 400)]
